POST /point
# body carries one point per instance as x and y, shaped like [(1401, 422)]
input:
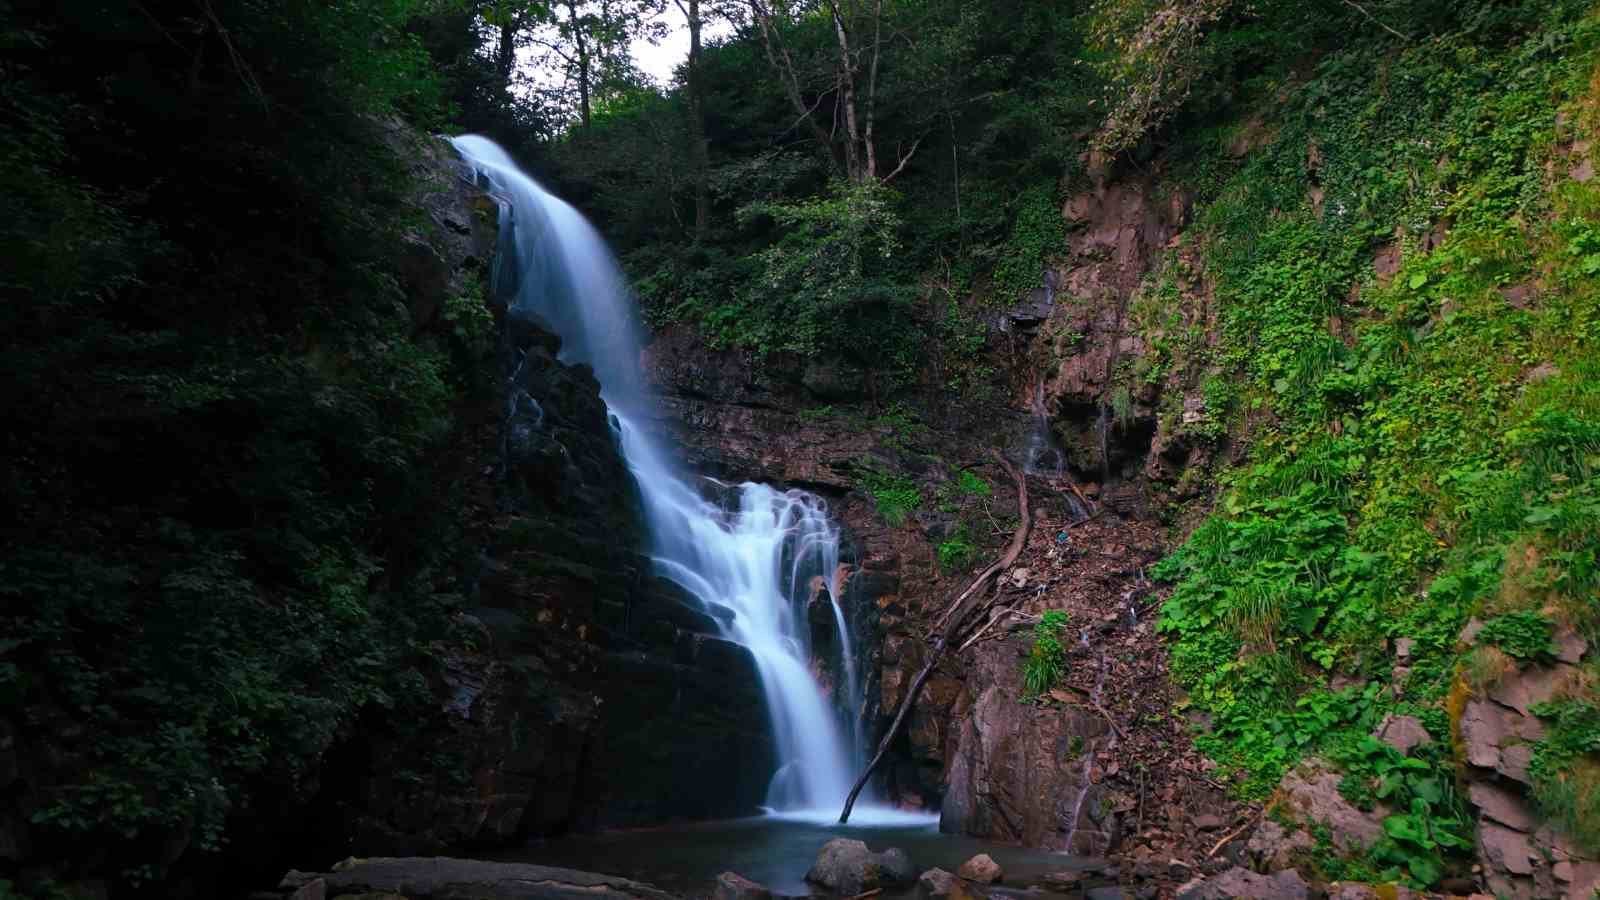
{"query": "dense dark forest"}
[(232, 481)]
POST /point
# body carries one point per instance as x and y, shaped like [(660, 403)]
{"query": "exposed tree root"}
[(949, 628)]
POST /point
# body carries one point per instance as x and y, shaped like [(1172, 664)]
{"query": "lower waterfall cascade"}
[(749, 561)]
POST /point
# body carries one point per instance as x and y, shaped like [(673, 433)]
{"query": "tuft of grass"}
[(1047, 661), (1485, 665), (1566, 765)]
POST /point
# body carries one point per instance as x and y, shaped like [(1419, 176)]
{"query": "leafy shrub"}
[(957, 551), (972, 484), (1047, 660), (1429, 829), (823, 285), (895, 496), (1037, 232), (1524, 635)]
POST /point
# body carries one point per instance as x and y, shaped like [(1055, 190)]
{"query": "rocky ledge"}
[(444, 878)]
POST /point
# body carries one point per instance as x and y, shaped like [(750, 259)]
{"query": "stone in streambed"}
[(733, 886), (444, 878), (1069, 879), (981, 868), (847, 867), (937, 884), (315, 889)]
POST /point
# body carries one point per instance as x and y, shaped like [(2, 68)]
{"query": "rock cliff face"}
[(1049, 773), (1522, 856), (578, 690)]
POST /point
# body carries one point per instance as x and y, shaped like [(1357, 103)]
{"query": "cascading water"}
[(1044, 456), (749, 564)]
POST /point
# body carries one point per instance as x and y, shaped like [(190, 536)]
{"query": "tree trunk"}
[(506, 57), (582, 43), (783, 65), (697, 117), (858, 169)]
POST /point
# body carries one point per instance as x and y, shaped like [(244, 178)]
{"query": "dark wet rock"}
[(1570, 646), (1496, 736), (936, 883), (834, 380), (847, 867), (1014, 776), (315, 889), (1518, 856), (295, 879), (1107, 892), (1246, 885), (982, 869), (443, 878), (439, 259), (1527, 688), (1068, 879), (733, 886)]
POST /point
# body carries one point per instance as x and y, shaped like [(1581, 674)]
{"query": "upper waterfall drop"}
[(751, 563)]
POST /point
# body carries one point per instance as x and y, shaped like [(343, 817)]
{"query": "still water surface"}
[(774, 850)]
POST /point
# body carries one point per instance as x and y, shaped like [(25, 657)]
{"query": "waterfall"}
[(750, 562)]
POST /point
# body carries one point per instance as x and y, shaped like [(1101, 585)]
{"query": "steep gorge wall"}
[(1121, 376), (584, 692)]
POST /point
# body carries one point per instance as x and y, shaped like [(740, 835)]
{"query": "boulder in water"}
[(981, 868), (733, 886), (847, 867)]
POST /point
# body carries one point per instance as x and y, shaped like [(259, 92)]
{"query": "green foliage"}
[(1408, 472), (1429, 828), (1122, 406), (988, 98), (972, 484), (1566, 768), (1047, 660), (1524, 635), (225, 536), (822, 284), (900, 419), (895, 496), (957, 551), (1038, 231)]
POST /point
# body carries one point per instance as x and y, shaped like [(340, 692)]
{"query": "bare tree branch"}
[(1374, 19), (904, 159)]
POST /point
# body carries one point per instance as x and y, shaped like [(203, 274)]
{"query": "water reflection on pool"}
[(776, 850)]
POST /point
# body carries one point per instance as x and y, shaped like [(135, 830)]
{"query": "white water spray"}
[(750, 565)]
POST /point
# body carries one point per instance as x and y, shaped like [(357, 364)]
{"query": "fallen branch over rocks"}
[(948, 628)]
